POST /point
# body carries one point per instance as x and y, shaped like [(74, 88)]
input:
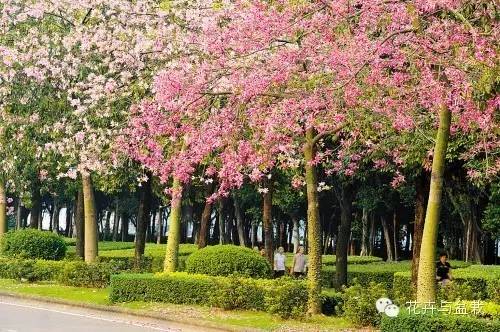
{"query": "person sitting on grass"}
[(298, 269), (443, 270), (279, 263)]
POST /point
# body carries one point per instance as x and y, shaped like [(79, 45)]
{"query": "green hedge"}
[(285, 296), (474, 282), (33, 244), (225, 260), (70, 273), (441, 323), (381, 272)]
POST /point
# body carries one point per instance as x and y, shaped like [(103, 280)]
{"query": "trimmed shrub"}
[(29, 269), (81, 274), (446, 323), (359, 303), (284, 297), (33, 244), (235, 292), (287, 298), (225, 260)]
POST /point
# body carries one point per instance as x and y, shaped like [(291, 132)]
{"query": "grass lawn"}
[(234, 320)]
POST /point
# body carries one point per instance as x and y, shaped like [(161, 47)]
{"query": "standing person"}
[(279, 263), (299, 263), (443, 269)]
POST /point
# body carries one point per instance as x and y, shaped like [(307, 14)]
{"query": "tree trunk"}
[(387, 238), (69, 227), (313, 226), (267, 221), (426, 290), (421, 188), (295, 233), (35, 208), (55, 217), (19, 214), (343, 234), (395, 234), (371, 238), (174, 230), (143, 218), (90, 219), (79, 225), (222, 226), (159, 228), (364, 234), (107, 226), (124, 220), (3, 209), (239, 221), (254, 234), (116, 221)]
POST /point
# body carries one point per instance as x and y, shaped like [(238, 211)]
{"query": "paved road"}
[(33, 316)]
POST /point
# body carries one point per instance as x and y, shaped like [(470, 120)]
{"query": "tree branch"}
[(319, 136)]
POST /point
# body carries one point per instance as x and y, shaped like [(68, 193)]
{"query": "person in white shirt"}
[(299, 265), (279, 263)]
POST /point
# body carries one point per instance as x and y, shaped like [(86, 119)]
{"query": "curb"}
[(131, 312)]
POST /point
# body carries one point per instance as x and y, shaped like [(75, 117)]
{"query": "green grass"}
[(53, 291), (235, 320), (105, 246), (154, 250)]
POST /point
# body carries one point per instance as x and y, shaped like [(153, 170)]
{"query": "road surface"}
[(19, 315)]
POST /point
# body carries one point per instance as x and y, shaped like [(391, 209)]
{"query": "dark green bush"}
[(359, 303), (287, 298), (92, 275), (225, 260), (331, 302), (442, 323), (284, 297), (33, 244)]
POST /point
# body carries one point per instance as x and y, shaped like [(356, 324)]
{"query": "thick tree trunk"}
[(91, 235), (313, 226), (364, 233), (143, 218), (35, 208), (387, 238), (79, 225), (3, 209), (239, 221), (343, 234), (174, 229), (422, 189), (267, 221), (426, 290)]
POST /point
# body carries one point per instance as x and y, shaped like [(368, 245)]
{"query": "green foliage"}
[(225, 260), (33, 244), (29, 269), (331, 302), (238, 293), (81, 274), (287, 298), (284, 297), (446, 323), (474, 282), (359, 303)]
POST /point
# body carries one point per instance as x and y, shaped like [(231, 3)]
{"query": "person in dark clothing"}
[(443, 269)]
